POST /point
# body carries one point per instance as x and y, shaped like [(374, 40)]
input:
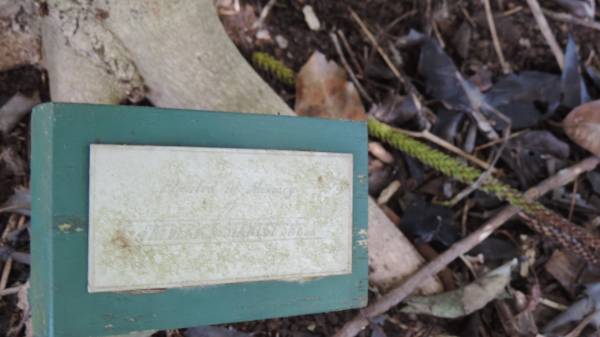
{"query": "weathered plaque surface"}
[(148, 218), (164, 217)]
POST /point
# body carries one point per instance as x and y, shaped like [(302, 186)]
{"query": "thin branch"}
[(398, 294), (488, 173), (399, 75), (490, 19), (425, 134), (482, 178), (6, 273), (565, 17), (349, 70), (476, 102), (512, 11), (346, 45), (534, 5), (264, 14), (573, 199), (494, 142), (13, 208), (10, 291)]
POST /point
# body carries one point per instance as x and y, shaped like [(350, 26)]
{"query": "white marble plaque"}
[(163, 217)]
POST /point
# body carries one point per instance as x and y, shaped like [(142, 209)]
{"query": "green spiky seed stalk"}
[(536, 215), (274, 67)]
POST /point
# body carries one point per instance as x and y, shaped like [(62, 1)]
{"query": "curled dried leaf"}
[(582, 125), (323, 90)]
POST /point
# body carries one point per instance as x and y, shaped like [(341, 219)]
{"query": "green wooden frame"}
[(61, 135)]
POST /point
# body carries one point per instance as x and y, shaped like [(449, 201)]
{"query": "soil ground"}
[(460, 25)]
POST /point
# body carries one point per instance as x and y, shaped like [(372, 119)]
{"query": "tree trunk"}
[(178, 55)]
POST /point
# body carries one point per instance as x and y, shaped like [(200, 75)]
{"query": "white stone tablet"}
[(163, 217)]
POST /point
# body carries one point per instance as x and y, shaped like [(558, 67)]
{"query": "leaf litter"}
[(444, 51)]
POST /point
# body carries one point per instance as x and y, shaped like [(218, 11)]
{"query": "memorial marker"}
[(147, 218)]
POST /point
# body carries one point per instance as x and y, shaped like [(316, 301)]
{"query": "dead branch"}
[(568, 18), (349, 70), (398, 294), (534, 5), (490, 19)]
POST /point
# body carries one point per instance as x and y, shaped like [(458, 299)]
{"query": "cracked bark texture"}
[(19, 34), (176, 52)]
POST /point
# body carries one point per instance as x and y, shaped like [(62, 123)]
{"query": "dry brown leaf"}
[(322, 90), (582, 125), (466, 300), (239, 24), (24, 321)]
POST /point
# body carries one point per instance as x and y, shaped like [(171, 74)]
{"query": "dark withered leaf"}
[(527, 155), (472, 327), (377, 330), (412, 38), (24, 258), (426, 222), (521, 96), (482, 79), (395, 110), (582, 125), (12, 162), (594, 178), (589, 305), (495, 249), (399, 110), (377, 70), (582, 8), (594, 75), (448, 123), (15, 109), (380, 179), (215, 331), (527, 86), (462, 39), (440, 74), (19, 202), (573, 88), (416, 170)]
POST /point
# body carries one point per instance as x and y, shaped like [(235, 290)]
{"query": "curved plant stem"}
[(398, 294), (572, 237)]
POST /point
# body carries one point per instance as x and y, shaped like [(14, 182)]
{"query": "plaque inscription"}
[(164, 217)]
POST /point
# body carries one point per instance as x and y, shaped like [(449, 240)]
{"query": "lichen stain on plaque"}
[(165, 217)]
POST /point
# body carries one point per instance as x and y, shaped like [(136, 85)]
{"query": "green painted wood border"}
[(61, 135)]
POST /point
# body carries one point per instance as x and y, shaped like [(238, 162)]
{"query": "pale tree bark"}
[(19, 34), (178, 55), (176, 52)]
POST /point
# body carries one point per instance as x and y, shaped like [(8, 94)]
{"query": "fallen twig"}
[(398, 294), (497, 141), (553, 226), (346, 45), (5, 273), (264, 14), (565, 17), (476, 103), (349, 70), (425, 134), (573, 200), (512, 11), (488, 172), (10, 291), (490, 20), (534, 5), (581, 325), (12, 208), (399, 75)]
